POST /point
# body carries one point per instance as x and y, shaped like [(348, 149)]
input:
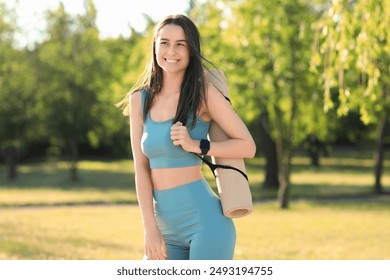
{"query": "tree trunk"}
[(285, 138), (269, 149), (379, 153), (73, 160), (284, 189), (314, 148), (11, 159), (283, 152), (314, 158)]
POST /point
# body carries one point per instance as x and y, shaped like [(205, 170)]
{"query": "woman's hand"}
[(181, 137), (155, 248)]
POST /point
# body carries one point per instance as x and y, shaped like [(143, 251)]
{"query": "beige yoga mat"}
[(233, 188)]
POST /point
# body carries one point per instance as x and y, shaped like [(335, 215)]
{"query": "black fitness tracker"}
[(204, 146)]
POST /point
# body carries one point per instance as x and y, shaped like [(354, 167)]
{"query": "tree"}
[(353, 55), (74, 78), (17, 85)]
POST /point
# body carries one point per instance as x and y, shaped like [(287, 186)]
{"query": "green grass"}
[(306, 231), (82, 232), (333, 215)]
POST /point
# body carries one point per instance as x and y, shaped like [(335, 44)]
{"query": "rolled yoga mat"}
[(233, 187)]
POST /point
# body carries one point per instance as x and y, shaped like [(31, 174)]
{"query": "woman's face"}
[(172, 49)]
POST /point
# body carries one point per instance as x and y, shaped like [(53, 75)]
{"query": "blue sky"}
[(113, 18)]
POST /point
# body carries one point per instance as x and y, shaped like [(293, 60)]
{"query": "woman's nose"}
[(171, 49)]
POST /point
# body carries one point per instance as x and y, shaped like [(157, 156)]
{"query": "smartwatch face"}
[(204, 146)]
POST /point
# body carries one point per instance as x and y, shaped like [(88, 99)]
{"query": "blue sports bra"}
[(157, 145)]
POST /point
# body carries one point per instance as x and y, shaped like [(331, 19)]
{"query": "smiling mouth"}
[(171, 60)]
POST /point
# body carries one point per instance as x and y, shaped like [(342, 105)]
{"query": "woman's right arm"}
[(154, 242)]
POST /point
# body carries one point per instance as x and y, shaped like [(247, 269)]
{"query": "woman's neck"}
[(172, 83)]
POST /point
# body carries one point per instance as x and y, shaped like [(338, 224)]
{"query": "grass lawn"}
[(333, 215), (306, 231)]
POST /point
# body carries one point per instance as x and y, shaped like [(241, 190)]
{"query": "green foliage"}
[(72, 62), (264, 49), (353, 54), (78, 76), (17, 84), (7, 25), (65, 90), (17, 87)]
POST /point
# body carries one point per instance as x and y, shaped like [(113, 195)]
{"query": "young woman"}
[(170, 114)]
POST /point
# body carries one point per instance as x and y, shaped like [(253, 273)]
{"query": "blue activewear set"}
[(189, 216)]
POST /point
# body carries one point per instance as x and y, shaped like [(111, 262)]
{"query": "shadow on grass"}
[(297, 167), (319, 192), (59, 179), (341, 169)]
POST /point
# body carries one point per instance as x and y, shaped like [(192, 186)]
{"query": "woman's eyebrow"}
[(166, 39)]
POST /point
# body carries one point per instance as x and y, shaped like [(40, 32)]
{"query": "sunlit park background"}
[(311, 79)]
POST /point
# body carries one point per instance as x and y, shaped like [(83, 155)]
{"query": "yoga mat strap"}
[(213, 167)]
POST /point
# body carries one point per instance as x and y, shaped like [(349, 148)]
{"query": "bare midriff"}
[(167, 178)]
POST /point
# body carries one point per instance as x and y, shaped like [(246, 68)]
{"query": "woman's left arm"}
[(241, 143)]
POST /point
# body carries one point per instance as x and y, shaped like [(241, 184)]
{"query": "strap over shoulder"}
[(143, 98)]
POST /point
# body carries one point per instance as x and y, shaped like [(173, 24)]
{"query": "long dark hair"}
[(193, 87)]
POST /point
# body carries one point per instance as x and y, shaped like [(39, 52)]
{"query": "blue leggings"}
[(191, 220)]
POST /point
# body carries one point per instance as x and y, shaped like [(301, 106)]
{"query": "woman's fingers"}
[(164, 249), (181, 137), (154, 245), (156, 251), (178, 133)]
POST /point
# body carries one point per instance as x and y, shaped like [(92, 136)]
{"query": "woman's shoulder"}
[(135, 96), (136, 100)]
